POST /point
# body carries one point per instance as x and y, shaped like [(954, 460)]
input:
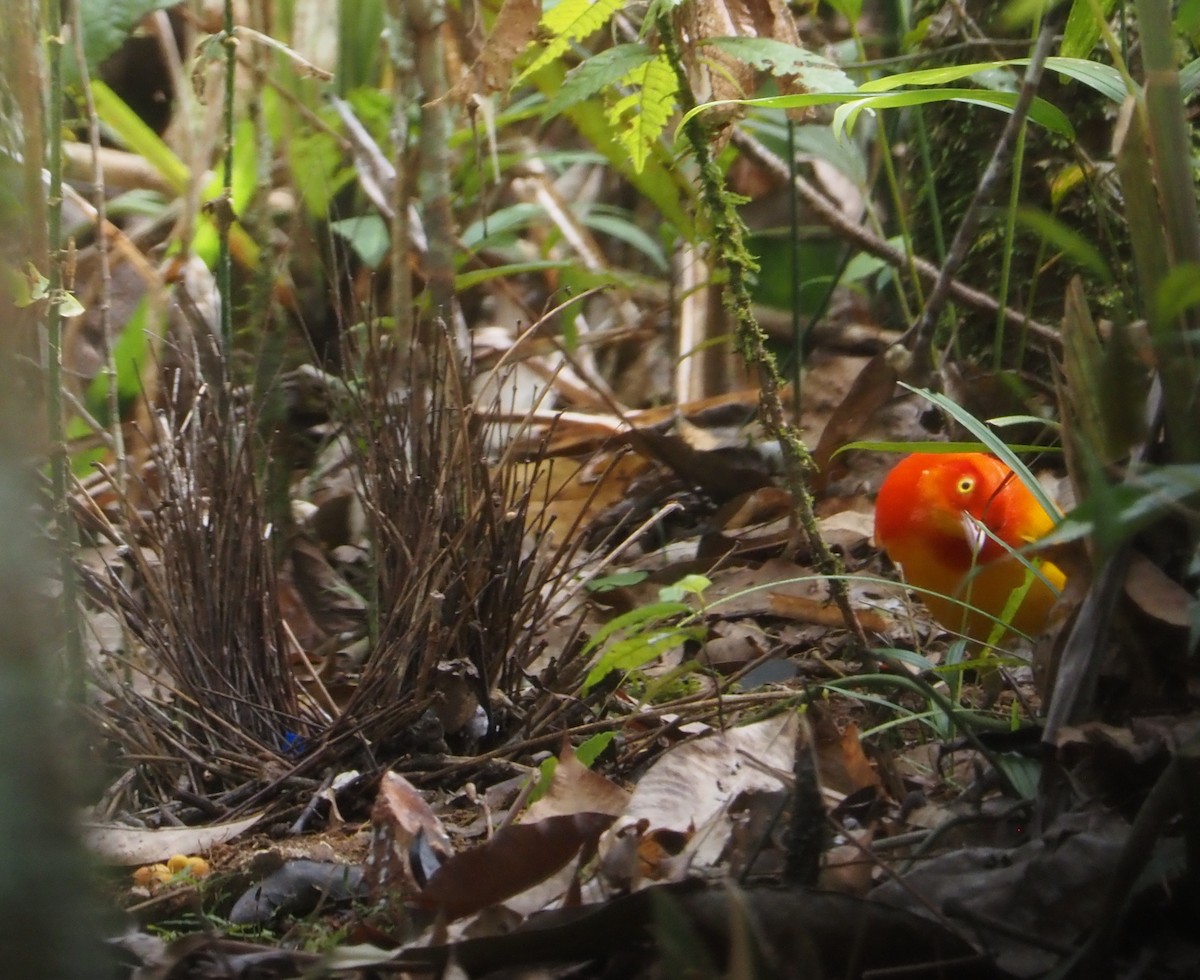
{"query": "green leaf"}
[(1189, 79), (919, 446), (1187, 19), (367, 235), (815, 73), (621, 227), (500, 223), (1066, 239), (1103, 78), (1179, 291), (69, 305), (617, 580), (106, 25), (139, 138), (569, 21), (596, 74), (634, 652), (850, 9), (245, 175), (1040, 111), (655, 612), (594, 747), (318, 169), (465, 280), (1083, 27), (688, 585)]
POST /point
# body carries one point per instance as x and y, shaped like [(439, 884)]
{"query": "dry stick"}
[(401, 57), (828, 212), (921, 333), (102, 250), (730, 233)]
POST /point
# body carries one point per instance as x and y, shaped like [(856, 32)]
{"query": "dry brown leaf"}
[(872, 389), (116, 844), (577, 789), (690, 787), (847, 868), (513, 29), (401, 818), (1156, 594), (820, 612), (841, 761), (518, 857)]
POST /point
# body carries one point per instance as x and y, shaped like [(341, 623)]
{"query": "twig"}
[(920, 334), (102, 251), (862, 237)]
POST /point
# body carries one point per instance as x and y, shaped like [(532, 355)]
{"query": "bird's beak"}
[(975, 533)]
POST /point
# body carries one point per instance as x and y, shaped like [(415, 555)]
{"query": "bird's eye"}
[(965, 485)]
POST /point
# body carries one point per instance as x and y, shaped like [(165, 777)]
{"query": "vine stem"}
[(225, 215), (730, 233), (57, 293)]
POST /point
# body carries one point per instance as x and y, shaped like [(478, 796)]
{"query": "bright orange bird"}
[(930, 518)]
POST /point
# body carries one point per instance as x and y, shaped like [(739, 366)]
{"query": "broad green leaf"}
[(1187, 19), (106, 25), (139, 138), (816, 73), (1179, 291), (1066, 239), (1040, 111), (69, 305), (621, 227), (570, 21), (1083, 28), (617, 580), (1103, 78), (500, 223), (1189, 79), (367, 235), (643, 616), (594, 747), (596, 74), (318, 168), (688, 585), (634, 652), (465, 280)]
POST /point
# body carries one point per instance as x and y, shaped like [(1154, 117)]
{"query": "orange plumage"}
[(928, 518)]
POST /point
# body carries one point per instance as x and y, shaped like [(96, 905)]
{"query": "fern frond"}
[(639, 118), (601, 72), (570, 21)]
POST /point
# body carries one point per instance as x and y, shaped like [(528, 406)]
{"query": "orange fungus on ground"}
[(929, 518)]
